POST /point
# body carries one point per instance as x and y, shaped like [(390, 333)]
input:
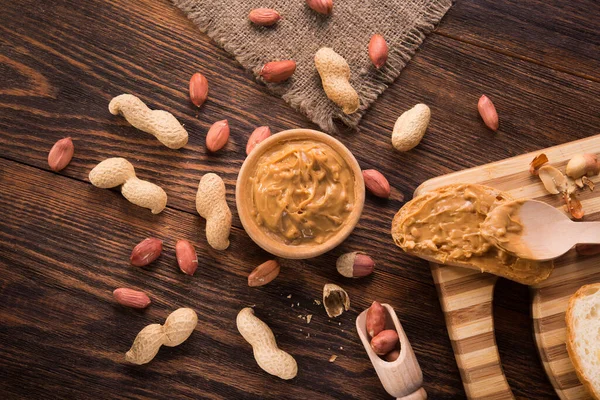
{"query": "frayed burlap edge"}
[(380, 79)]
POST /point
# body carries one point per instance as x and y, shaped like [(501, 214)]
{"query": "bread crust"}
[(581, 293), (525, 277)]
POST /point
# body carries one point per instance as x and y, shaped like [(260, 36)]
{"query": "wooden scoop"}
[(401, 378), (546, 233)]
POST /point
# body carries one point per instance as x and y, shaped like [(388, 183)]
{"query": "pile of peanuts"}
[(384, 342)]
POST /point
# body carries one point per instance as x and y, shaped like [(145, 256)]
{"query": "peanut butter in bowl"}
[(300, 193)]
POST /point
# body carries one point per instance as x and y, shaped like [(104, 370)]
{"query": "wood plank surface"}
[(467, 295), (58, 282), (562, 35), (64, 244)]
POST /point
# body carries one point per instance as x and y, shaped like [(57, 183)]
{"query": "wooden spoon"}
[(401, 378), (546, 232)]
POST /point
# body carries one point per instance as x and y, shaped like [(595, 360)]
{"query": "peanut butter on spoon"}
[(535, 230), (504, 229)]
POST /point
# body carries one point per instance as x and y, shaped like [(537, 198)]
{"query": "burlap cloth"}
[(301, 32)]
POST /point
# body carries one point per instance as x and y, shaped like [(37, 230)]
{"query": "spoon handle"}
[(418, 395), (588, 232)]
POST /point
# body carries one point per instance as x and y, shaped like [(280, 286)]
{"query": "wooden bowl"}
[(243, 197)]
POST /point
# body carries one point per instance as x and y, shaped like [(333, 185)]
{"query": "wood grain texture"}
[(67, 276), (466, 295), (556, 34), (550, 301), (466, 298), (64, 244)]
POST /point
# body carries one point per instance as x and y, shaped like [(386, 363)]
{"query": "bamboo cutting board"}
[(466, 295)]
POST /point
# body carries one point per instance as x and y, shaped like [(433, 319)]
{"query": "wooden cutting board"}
[(466, 295)]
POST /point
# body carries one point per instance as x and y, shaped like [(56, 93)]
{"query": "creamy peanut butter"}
[(504, 229), (302, 192), (445, 226)]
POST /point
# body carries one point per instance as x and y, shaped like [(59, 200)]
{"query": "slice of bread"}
[(583, 336), (494, 261)]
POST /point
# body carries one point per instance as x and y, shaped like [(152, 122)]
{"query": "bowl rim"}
[(243, 205)]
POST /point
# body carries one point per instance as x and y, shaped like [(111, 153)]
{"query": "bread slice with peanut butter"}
[(583, 344), (443, 226)]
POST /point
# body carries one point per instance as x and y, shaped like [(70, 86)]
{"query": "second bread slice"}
[(583, 336)]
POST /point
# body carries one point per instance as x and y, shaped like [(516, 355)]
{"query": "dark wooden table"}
[(65, 245)]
